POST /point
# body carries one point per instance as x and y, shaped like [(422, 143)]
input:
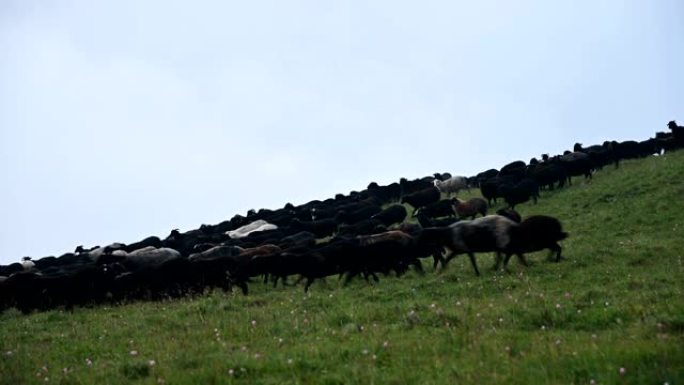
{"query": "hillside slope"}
[(612, 311)]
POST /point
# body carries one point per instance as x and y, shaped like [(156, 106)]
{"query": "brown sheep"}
[(470, 208)]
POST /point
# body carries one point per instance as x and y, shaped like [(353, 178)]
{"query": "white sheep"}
[(258, 225), (27, 264), (452, 185)]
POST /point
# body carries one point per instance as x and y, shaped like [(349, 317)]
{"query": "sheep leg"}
[(309, 281), (448, 258), (437, 258), (348, 277), (557, 249), (497, 261), (474, 263), (506, 259), (243, 285), (366, 275), (521, 258), (418, 265)]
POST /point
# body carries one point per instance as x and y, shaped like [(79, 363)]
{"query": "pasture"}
[(611, 312)]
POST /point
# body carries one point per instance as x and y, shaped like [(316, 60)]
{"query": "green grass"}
[(614, 302)]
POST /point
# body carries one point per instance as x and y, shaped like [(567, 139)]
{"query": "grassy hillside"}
[(616, 301)]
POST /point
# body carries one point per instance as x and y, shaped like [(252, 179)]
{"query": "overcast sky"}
[(124, 119)]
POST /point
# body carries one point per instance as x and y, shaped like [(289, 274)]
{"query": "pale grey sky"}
[(120, 120)]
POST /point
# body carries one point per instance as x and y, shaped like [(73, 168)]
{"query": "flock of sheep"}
[(361, 233)]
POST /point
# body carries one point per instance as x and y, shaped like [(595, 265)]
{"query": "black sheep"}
[(515, 169), (321, 228), (422, 198), (576, 164), (363, 212), (510, 214), (391, 215), (520, 192), (366, 226), (490, 187), (677, 133), (478, 179), (490, 233), (439, 209), (303, 238), (384, 194), (548, 174), (537, 232), (426, 221), (409, 187)]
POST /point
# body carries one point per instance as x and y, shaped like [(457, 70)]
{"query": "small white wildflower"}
[(151, 362), (133, 352), (231, 372)]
